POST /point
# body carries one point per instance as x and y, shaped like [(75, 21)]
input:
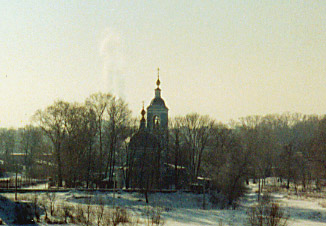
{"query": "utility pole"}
[(16, 184), (204, 198)]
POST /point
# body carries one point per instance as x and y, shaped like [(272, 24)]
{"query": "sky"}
[(226, 59)]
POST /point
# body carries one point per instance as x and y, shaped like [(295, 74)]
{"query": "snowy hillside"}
[(182, 208)]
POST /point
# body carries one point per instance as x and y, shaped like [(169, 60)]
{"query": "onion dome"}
[(158, 101), (142, 121), (143, 112), (158, 82)]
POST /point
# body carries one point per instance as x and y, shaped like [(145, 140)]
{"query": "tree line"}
[(80, 144)]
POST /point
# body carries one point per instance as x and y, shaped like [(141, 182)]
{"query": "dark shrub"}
[(24, 213)]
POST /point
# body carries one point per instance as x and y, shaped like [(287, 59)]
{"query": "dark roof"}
[(158, 101), (143, 139)]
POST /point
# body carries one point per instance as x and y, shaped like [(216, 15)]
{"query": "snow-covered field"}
[(303, 211), (183, 208)]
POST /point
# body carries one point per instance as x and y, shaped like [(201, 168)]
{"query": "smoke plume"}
[(112, 53)]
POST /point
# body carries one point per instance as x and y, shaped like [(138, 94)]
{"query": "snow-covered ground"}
[(183, 208), (303, 211)]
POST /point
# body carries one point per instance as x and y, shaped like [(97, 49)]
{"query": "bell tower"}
[(157, 112)]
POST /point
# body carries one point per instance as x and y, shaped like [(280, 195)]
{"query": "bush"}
[(34, 204), (35, 207), (154, 216), (267, 213), (51, 196), (24, 213), (227, 189), (80, 215), (43, 204), (218, 200), (120, 215), (67, 212), (99, 210)]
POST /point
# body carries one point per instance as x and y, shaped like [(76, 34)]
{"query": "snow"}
[(304, 211), (182, 208)]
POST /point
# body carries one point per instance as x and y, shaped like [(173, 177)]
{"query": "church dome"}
[(158, 101), (143, 139)]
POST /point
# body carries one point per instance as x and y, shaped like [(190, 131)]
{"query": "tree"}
[(196, 131), (177, 154), (127, 154), (8, 140), (33, 145), (317, 153), (52, 122), (80, 130), (249, 132), (99, 102), (304, 133), (71, 128), (288, 164), (117, 129), (227, 163), (219, 146), (266, 138)]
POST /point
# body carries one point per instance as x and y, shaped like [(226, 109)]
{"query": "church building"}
[(157, 116), (149, 146)]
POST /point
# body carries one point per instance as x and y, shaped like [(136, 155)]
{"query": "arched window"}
[(156, 121)]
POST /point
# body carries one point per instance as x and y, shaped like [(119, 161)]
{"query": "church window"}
[(156, 121)]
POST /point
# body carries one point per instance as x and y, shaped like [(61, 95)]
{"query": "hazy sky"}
[(227, 59)]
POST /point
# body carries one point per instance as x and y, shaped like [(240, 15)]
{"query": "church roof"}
[(143, 139), (157, 101)]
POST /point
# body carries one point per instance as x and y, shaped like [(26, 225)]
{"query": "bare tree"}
[(196, 131), (275, 142), (70, 128), (99, 102), (117, 130), (226, 163), (8, 140), (256, 145), (289, 164), (52, 122), (33, 145), (80, 130), (317, 153), (217, 156), (176, 155), (179, 151)]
